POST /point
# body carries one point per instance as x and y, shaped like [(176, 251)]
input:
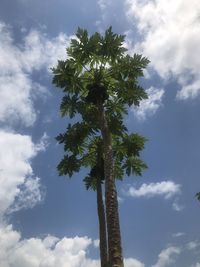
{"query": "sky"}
[(50, 221)]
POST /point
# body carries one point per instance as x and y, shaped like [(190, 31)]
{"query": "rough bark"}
[(112, 215), (102, 226)]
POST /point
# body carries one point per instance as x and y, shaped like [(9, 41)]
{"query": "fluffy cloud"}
[(133, 263), (179, 234), (17, 63), (40, 52), (193, 245), (96, 243), (30, 194), (19, 187), (171, 35), (167, 256), (16, 104), (165, 188), (48, 252), (149, 106)]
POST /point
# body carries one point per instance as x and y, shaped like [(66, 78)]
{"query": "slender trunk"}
[(112, 215), (102, 226)]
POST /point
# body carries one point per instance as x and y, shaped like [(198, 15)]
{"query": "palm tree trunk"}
[(112, 215), (102, 226)]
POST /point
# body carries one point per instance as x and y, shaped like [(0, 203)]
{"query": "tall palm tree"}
[(98, 74)]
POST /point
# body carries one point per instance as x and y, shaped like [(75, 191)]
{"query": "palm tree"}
[(126, 157), (94, 181), (100, 76)]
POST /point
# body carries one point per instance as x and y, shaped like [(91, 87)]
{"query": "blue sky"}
[(49, 221)]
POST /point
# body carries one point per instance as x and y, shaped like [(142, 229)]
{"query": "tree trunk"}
[(102, 226), (112, 216)]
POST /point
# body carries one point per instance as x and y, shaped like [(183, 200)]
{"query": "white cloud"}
[(43, 143), (48, 252), (8, 239), (179, 234), (17, 63), (19, 187), (165, 188), (133, 263), (167, 256), (41, 52), (149, 106), (193, 245), (196, 265), (171, 36), (177, 206), (30, 194), (16, 101), (189, 90), (96, 243)]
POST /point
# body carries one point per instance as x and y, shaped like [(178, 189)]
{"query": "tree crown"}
[(98, 68)]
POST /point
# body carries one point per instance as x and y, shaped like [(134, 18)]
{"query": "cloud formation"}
[(19, 186), (170, 33), (177, 206), (179, 234), (17, 63), (149, 106), (167, 189), (48, 252), (133, 263), (167, 257), (193, 245)]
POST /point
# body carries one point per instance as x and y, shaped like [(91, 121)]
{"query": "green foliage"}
[(127, 154), (198, 196), (134, 166), (96, 49), (96, 173), (67, 76), (100, 60), (75, 137), (90, 182), (133, 144), (97, 69), (69, 165), (69, 105)]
